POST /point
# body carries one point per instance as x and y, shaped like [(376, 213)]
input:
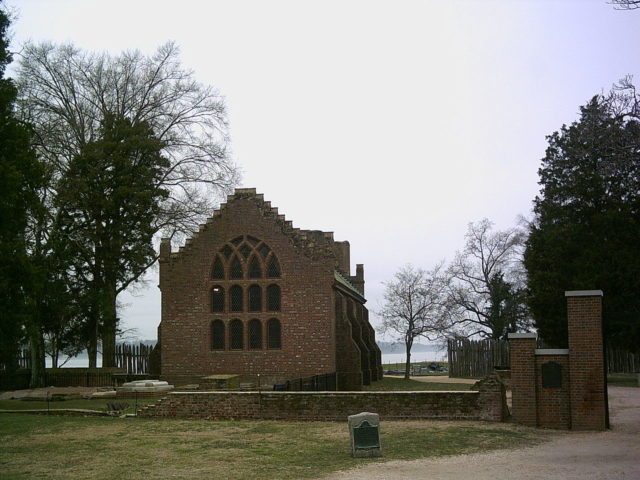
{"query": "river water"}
[(387, 358)]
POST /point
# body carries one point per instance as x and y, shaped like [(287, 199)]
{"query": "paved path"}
[(437, 379), (610, 455)]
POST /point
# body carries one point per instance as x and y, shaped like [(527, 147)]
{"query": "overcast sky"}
[(392, 124)]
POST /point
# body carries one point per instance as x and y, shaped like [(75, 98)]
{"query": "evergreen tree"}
[(586, 230), (109, 199), (20, 177)]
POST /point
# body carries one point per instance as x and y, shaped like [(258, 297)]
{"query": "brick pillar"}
[(522, 348), (586, 360)]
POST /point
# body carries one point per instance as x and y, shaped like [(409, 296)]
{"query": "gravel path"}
[(610, 455)]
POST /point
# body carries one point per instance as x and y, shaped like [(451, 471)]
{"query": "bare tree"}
[(67, 95), (415, 306), (486, 292), (625, 4)]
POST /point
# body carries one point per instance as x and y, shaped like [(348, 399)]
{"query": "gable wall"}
[(308, 336)]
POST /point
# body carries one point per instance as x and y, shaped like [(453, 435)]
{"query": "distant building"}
[(250, 294)]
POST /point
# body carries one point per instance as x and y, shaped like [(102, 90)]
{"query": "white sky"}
[(391, 123)]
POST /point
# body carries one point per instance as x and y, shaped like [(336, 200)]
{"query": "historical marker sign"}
[(551, 375), (364, 429)]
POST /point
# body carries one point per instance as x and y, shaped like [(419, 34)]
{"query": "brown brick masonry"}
[(485, 404)]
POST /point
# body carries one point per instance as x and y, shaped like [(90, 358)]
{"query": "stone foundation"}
[(488, 403)]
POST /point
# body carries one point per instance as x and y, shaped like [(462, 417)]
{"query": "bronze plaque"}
[(366, 436), (551, 375)]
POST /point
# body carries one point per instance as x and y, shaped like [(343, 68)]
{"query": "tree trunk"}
[(407, 366), (92, 341), (36, 344), (109, 327)]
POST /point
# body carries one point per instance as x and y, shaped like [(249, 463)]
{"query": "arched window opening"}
[(237, 335), (217, 335), (264, 250), (255, 334), (236, 269), (255, 269), (255, 298), (218, 270), (245, 250), (217, 299), (226, 251), (253, 240), (235, 292), (237, 241), (273, 268), (273, 298), (274, 334)]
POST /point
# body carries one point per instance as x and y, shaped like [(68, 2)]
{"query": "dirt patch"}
[(610, 455), (437, 379), (43, 392)]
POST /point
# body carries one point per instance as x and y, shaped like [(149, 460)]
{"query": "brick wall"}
[(485, 404), (586, 362), (310, 333), (522, 348), (553, 403), (580, 402)]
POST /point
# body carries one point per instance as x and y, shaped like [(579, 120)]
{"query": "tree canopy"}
[(585, 232), (486, 292), (133, 146), (415, 306), (21, 176)]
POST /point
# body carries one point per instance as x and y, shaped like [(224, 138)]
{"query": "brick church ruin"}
[(251, 295)]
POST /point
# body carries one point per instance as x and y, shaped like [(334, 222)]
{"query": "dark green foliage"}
[(506, 312), (20, 177), (109, 200), (586, 231)]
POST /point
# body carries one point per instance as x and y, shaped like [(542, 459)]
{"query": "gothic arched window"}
[(217, 299), (236, 269), (273, 298), (235, 293), (273, 268), (255, 298), (255, 334), (255, 269), (237, 335), (274, 334), (218, 269), (217, 335)]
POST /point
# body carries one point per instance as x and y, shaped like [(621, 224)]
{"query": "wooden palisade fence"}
[(133, 359), (622, 361), (476, 358)]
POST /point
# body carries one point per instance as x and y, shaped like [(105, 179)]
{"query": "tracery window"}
[(237, 335), (217, 299), (240, 268), (237, 304), (273, 334), (255, 269), (217, 335), (218, 269), (255, 298), (236, 269), (273, 298), (255, 334), (273, 268)]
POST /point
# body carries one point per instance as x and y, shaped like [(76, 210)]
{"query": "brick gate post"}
[(522, 348), (586, 360)]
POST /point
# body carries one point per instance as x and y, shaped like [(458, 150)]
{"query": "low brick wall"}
[(485, 404)]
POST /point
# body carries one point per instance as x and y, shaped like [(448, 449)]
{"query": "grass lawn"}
[(396, 383), (623, 379), (76, 403), (51, 447)]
